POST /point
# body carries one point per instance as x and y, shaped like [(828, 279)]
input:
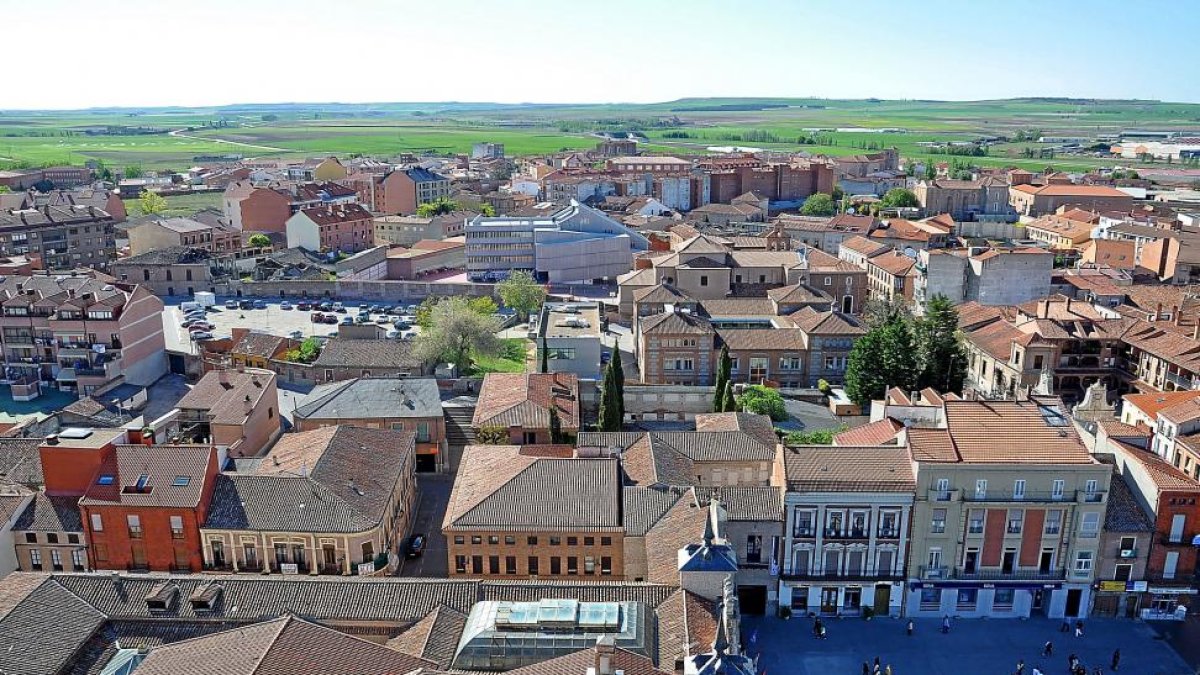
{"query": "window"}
[(1053, 522), (937, 524), (935, 558), (572, 541), (56, 560), (532, 564), (30, 537), (493, 539), (1123, 572), (1019, 489), (177, 527), (1090, 489), (555, 541), (1083, 562), (532, 541), (931, 599), (605, 565), (477, 564), (828, 281), (754, 548), (1056, 492), (494, 564), (510, 540), (589, 541), (572, 565), (182, 481), (78, 560), (1003, 599), (589, 565), (72, 538), (943, 489), (35, 559), (135, 526), (510, 564), (967, 597), (460, 564), (791, 363), (105, 479), (703, 280), (1015, 518), (459, 539), (555, 565), (981, 488), (476, 539), (606, 541), (802, 523), (975, 521), (1089, 525)]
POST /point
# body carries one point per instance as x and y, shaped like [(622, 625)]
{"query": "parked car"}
[(416, 546), (201, 335), (408, 334), (245, 304), (339, 307), (347, 321), (285, 305), (231, 304), (362, 318), (260, 304), (303, 306), (316, 317), (392, 334), (325, 306), (382, 320), (296, 334), (402, 324), (373, 309), (332, 318)]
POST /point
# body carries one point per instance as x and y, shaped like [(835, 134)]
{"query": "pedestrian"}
[(1048, 649), (817, 626), (1020, 666), (910, 628), (822, 635), (1097, 671), (1066, 626), (877, 664), (888, 670), (875, 670), (1116, 659), (946, 624), (866, 669), (1078, 629), (1072, 662), (1036, 671)]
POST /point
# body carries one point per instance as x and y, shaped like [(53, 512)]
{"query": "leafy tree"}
[(424, 314), (898, 198), (838, 194), (437, 207), (763, 401), (520, 292), (545, 356), (885, 356), (103, 172), (487, 210), (824, 387), (819, 204), (307, 352), (728, 402), (483, 304), (943, 359), (556, 434), (724, 368), (152, 203), (619, 374), (491, 436), (456, 333), (882, 311), (133, 171), (4, 189), (814, 437), (259, 241), (930, 170)]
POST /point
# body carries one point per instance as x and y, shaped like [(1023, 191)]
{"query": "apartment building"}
[(403, 190), (399, 404), (892, 277), (1008, 513), (519, 405), (234, 410), (266, 208), (151, 235), (1061, 232), (343, 227), (62, 237), (175, 270), (80, 332), (335, 500), (514, 515), (990, 276), (846, 530), (408, 230), (560, 244), (1040, 200)]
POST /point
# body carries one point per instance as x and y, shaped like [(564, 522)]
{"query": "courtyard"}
[(972, 647)]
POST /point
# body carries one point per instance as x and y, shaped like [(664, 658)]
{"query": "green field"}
[(178, 205), (31, 138)]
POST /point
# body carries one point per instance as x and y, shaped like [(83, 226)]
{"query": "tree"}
[(819, 204), (728, 402), (814, 437), (545, 356), (152, 203), (610, 407), (484, 305), (456, 333), (307, 352), (763, 401), (943, 360), (424, 315), (619, 376), (724, 368), (883, 357), (898, 198), (437, 207), (556, 434), (520, 292), (882, 311), (491, 436), (487, 210), (133, 171), (4, 189), (259, 241), (930, 170)]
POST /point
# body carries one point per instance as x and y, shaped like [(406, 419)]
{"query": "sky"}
[(140, 53)]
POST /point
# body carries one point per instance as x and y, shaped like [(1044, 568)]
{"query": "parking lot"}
[(270, 319)]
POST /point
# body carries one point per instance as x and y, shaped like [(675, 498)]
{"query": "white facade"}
[(303, 233)]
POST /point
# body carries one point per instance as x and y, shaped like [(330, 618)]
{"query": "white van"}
[(186, 307)]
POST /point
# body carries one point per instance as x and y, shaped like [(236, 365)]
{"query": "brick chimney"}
[(606, 648), (1175, 314)]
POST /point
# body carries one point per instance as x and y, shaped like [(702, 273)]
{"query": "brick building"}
[(520, 405), (233, 410), (341, 227), (61, 237)]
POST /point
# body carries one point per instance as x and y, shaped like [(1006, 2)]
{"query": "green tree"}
[(491, 436), (763, 401), (610, 408), (487, 210), (437, 207), (545, 356), (943, 360), (814, 437), (728, 401), (724, 368), (456, 333), (259, 241), (133, 171), (4, 189), (930, 169), (885, 356), (152, 203), (898, 198), (424, 315), (556, 434), (307, 352), (619, 377), (520, 292), (484, 305), (819, 204)]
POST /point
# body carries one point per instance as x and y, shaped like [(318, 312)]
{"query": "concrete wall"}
[(1010, 279)]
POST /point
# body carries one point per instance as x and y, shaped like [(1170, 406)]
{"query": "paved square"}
[(974, 647)]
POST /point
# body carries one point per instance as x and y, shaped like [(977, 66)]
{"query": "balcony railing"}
[(933, 572), (1183, 540), (1015, 575), (833, 533), (213, 567), (804, 532), (1032, 496), (822, 573), (332, 569)]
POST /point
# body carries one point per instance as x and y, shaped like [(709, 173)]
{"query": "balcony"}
[(1032, 496), (944, 495), (1183, 381), (804, 532), (19, 339), (885, 533), (934, 572), (848, 575), (832, 533), (1181, 541), (332, 569), (1014, 575)]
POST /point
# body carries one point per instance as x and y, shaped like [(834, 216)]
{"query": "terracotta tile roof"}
[(263, 345), (223, 393), (368, 354), (765, 339), (642, 507), (282, 646), (525, 399), (434, 638), (864, 246), (161, 464), (1067, 190), (931, 445), (905, 230), (1075, 231), (1024, 432), (43, 623), (21, 462), (824, 468), (1154, 402), (584, 660), (826, 323), (675, 323), (758, 426), (1165, 476), (723, 307), (1123, 512), (687, 625), (799, 293), (1115, 252), (702, 244), (883, 432), (664, 293), (745, 503), (996, 339), (683, 524), (50, 514), (667, 457), (897, 264)]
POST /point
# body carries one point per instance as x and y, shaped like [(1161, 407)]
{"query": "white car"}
[(202, 335)]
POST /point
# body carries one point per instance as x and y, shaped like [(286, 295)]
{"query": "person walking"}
[(1072, 663), (946, 624), (1020, 666), (888, 670), (866, 668), (1048, 649), (1116, 660), (818, 627), (877, 664), (1078, 629), (1035, 671), (910, 628)]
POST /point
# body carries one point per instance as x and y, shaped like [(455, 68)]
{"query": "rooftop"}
[(372, 398), (525, 399), (824, 468)]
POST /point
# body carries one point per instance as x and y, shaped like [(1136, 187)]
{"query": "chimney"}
[(606, 647), (52, 439), (1068, 303), (1175, 314), (1196, 330), (1158, 312)]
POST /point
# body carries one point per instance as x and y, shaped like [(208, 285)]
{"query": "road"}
[(435, 495), (180, 133)]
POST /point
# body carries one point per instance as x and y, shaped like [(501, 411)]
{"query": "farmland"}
[(171, 138)]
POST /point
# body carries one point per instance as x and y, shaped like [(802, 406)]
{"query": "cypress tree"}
[(555, 426), (610, 409), (619, 378), (724, 371), (728, 402), (545, 356)]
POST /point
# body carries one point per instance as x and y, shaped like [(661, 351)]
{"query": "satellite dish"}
[(910, 252)]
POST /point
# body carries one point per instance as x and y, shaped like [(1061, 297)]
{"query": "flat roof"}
[(571, 319)]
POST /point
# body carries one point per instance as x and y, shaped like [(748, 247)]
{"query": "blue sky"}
[(108, 53)]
